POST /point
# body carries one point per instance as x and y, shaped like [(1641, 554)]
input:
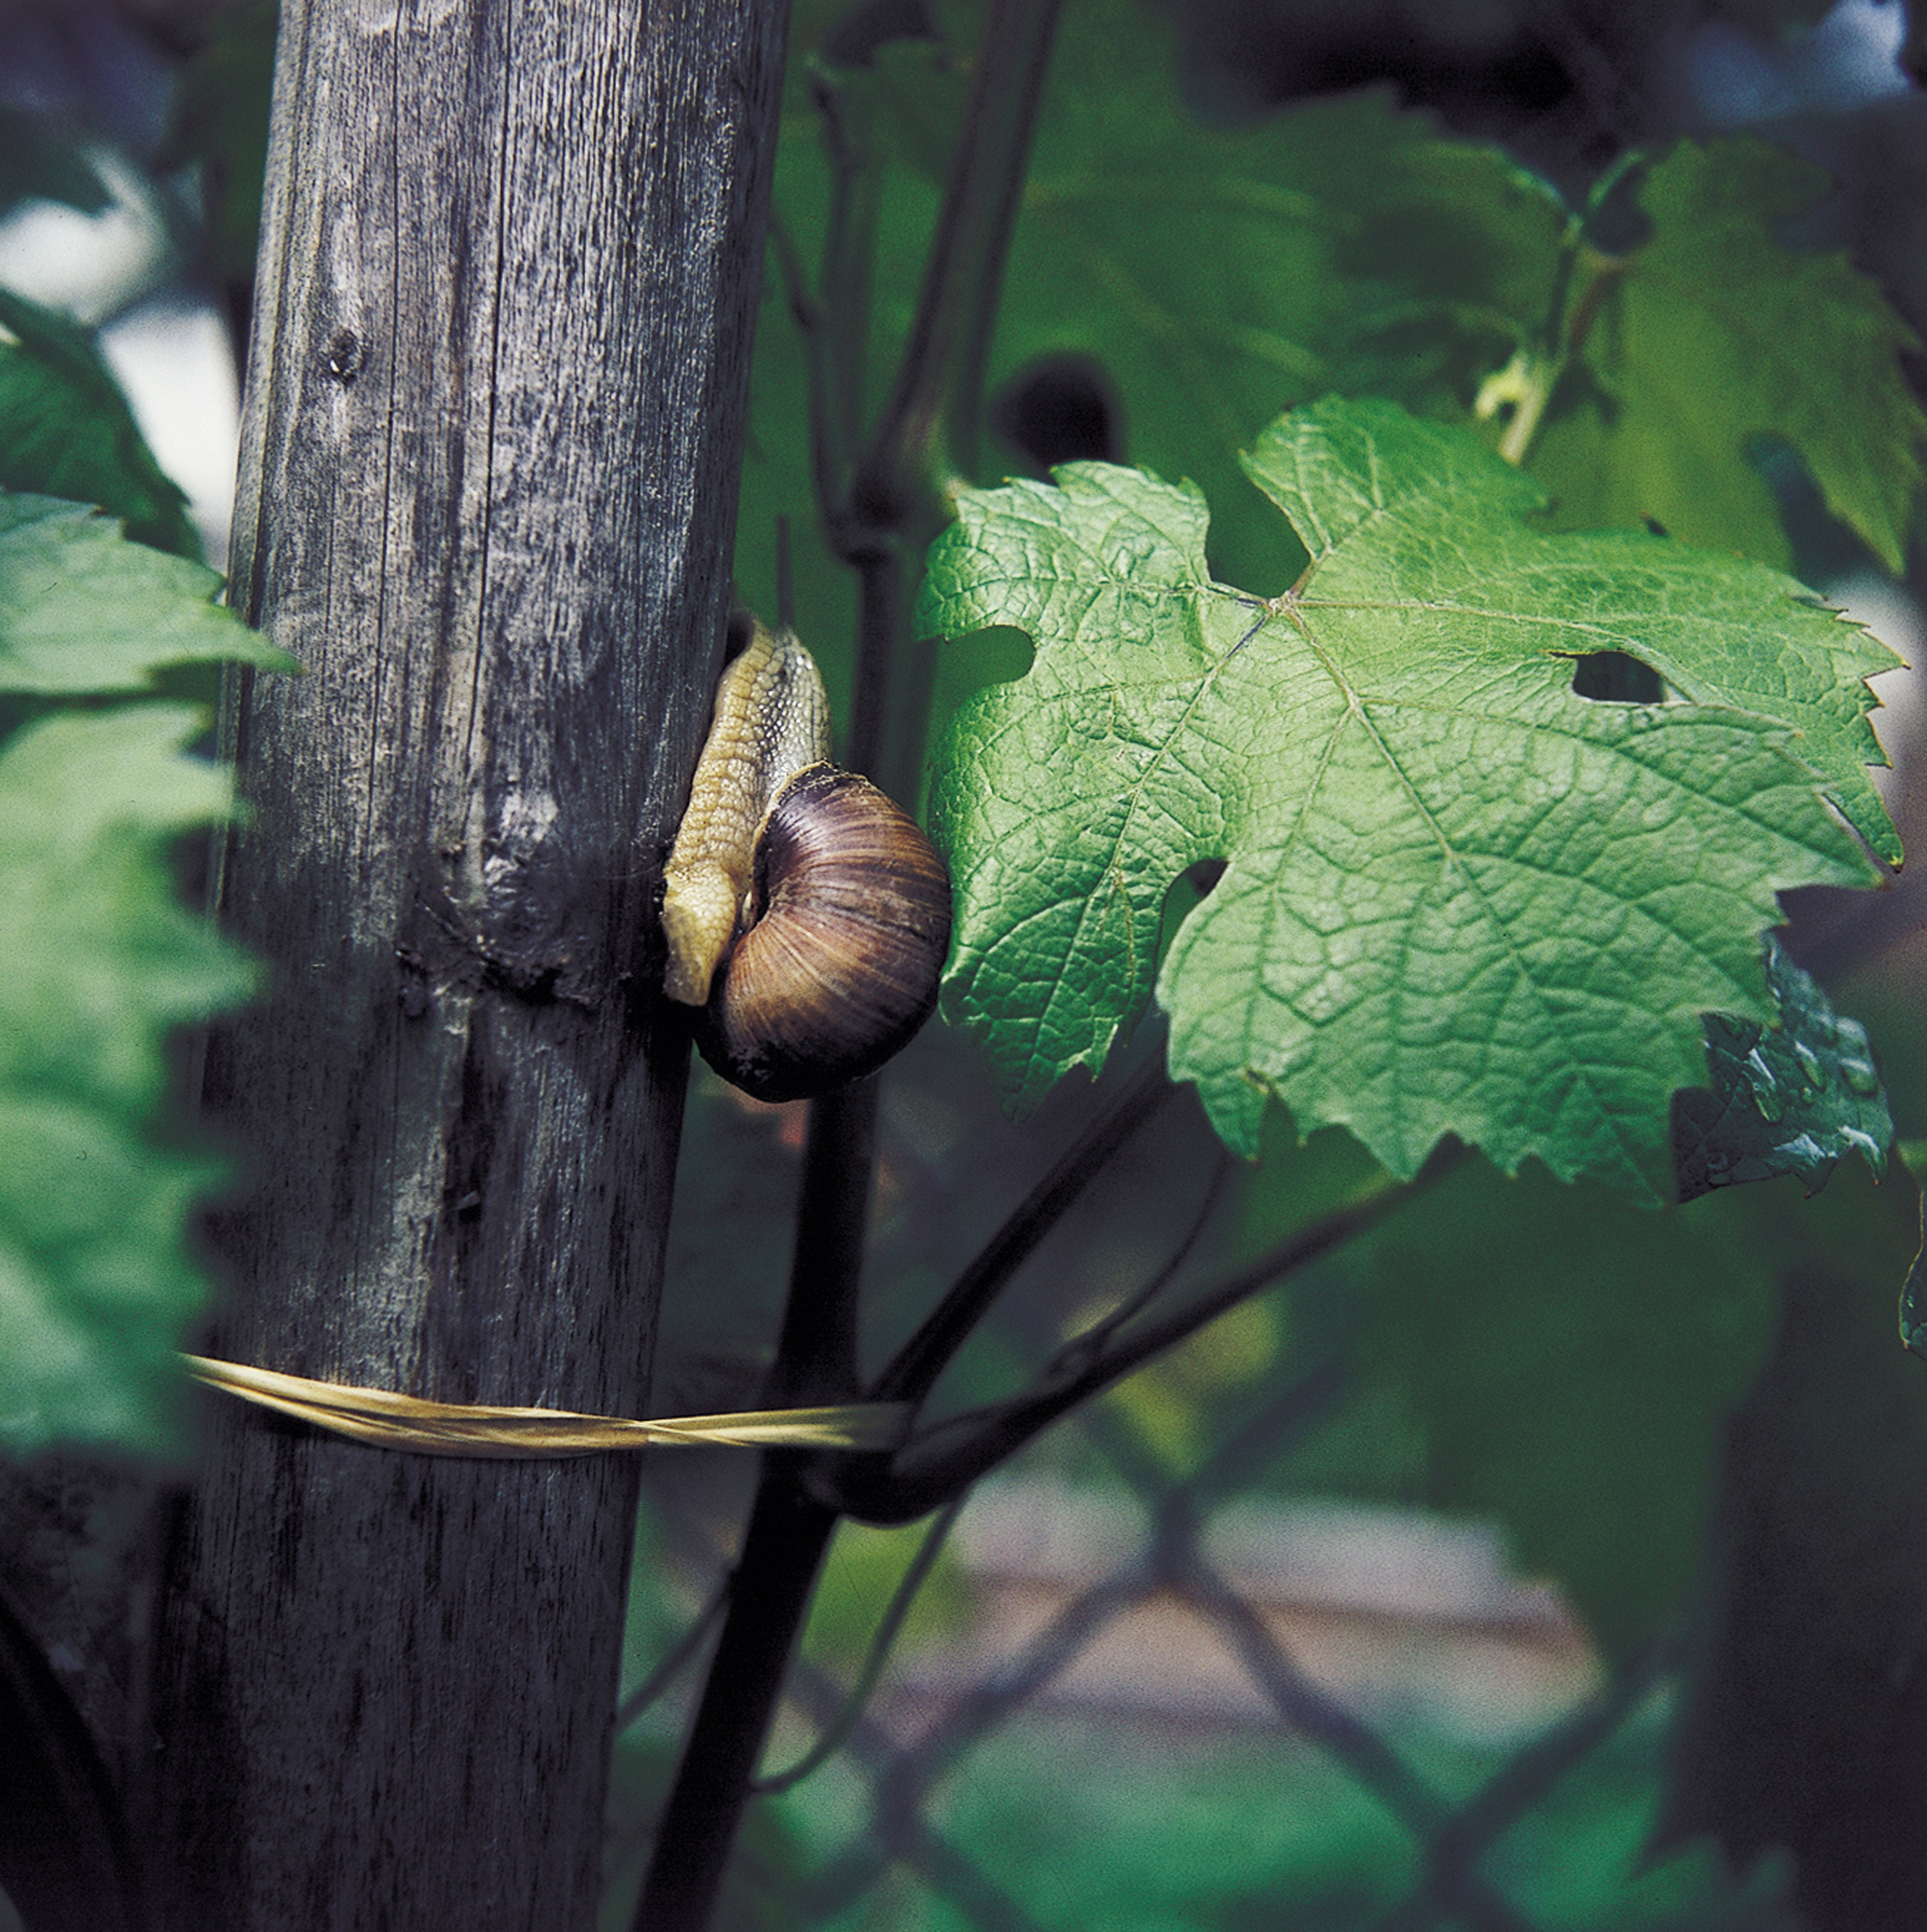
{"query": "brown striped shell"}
[(838, 964)]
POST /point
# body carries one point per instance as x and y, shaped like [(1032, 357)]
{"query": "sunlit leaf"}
[(1459, 897)]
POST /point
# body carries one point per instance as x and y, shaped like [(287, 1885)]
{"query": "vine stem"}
[(788, 1535), (944, 358), (912, 1372), (839, 1730), (1530, 379), (943, 1461), (789, 1530)]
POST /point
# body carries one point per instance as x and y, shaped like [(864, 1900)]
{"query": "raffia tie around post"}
[(391, 1421)]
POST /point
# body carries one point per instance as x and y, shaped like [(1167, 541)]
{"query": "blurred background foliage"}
[(1696, 1426)]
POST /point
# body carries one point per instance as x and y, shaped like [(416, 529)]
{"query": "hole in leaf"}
[(1061, 409), (969, 665), (1612, 677), (1188, 891)]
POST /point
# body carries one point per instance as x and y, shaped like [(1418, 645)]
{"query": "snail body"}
[(806, 912)]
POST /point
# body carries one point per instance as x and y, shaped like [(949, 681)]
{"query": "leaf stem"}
[(1529, 380), (678, 1654), (933, 1468), (828, 453), (848, 276), (911, 1373)]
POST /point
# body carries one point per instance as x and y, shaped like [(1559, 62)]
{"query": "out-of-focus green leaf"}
[(1569, 1361), (1805, 1715), (66, 430), (1216, 276), (1795, 1097), (1460, 899), (1712, 333), (97, 1288), (1220, 275), (82, 610), (865, 1566)]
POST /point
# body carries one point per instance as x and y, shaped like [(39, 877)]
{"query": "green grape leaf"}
[(1459, 897), (1713, 334), (96, 1286), (66, 430), (1795, 1097), (83, 611), (1568, 1363)]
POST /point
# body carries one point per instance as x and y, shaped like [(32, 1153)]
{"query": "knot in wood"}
[(344, 357)]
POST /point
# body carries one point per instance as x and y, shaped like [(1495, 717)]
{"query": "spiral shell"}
[(838, 964)]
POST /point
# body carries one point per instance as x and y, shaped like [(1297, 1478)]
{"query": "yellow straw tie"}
[(393, 1421)]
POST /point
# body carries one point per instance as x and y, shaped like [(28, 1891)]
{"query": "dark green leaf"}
[(36, 164), (1802, 1720), (66, 430), (1569, 1361), (218, 118), (1795, 1097), (1219, 275)]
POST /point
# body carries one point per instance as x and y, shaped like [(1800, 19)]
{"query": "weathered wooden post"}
[(487, 495)]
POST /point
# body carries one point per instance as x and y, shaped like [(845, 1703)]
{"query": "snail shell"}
[(839, 963)]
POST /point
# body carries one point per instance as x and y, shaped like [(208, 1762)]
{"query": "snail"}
[(805, 914)]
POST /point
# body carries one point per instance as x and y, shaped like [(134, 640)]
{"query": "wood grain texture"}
[(487, 493)]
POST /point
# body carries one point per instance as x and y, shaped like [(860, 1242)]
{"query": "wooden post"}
[(486, 496)]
